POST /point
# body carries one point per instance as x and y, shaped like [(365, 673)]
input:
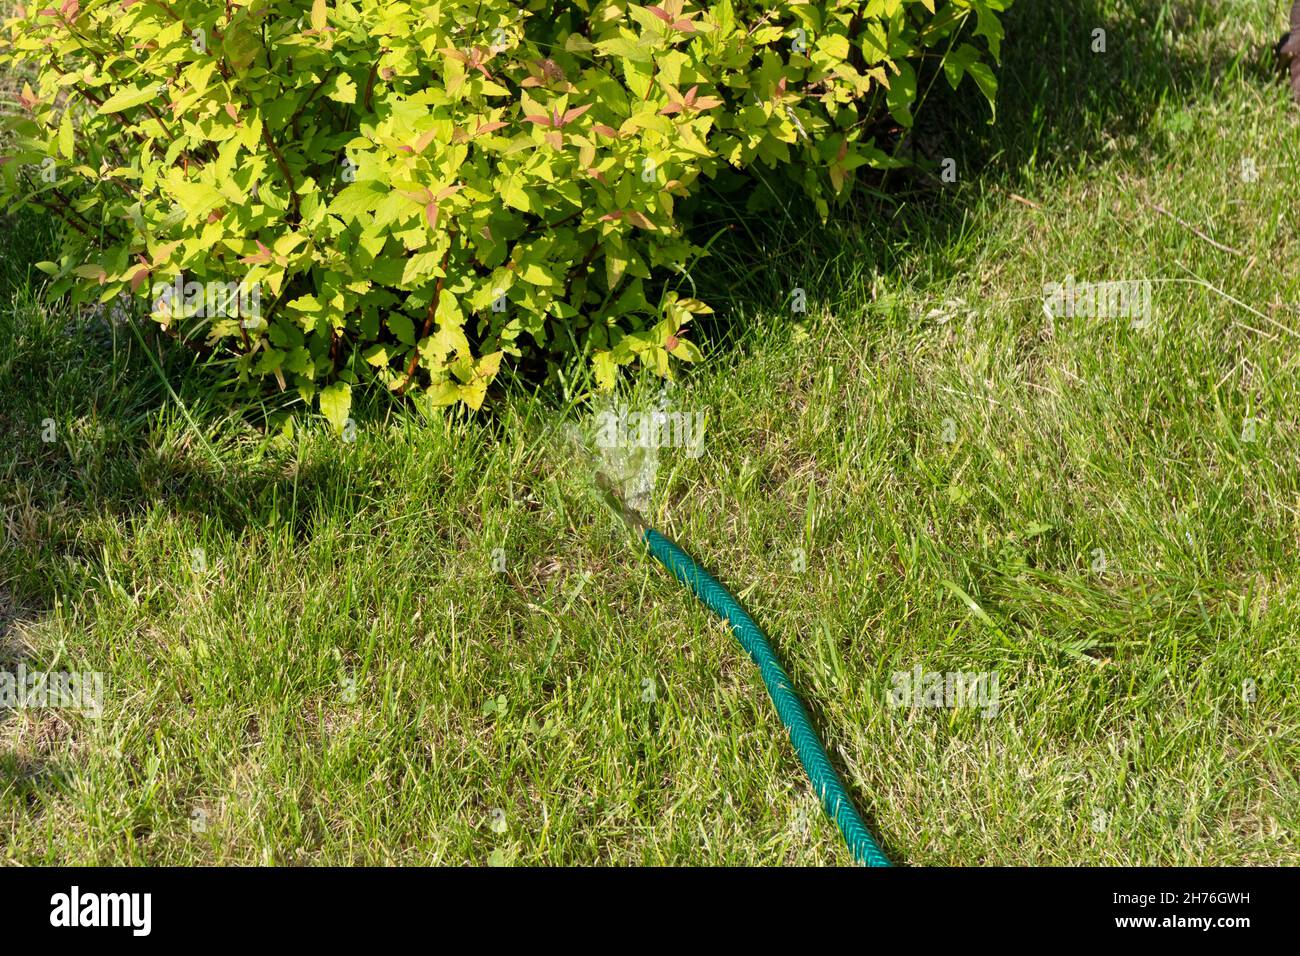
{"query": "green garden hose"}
[(825, 781)]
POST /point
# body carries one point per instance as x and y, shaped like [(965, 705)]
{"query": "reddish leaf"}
[(423, 142), (573, 114), (262, 256)]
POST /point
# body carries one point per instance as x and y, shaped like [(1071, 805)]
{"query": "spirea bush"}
[(338, 192)]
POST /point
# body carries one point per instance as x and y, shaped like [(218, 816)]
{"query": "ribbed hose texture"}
[(826, 783)]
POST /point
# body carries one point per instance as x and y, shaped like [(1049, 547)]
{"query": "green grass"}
[(347, 679)]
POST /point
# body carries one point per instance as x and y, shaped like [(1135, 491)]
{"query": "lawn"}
[(310, 654)]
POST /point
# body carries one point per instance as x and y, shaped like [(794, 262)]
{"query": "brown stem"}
[(67, 206), (293, 120), (428, 324), (856, 60), (161, 122), (62, 218), (284, 169), (89, 95), (585, 263), (370, 85)]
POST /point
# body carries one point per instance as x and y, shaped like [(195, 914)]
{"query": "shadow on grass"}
[(24, 776), (1061, 107), (93, 432)]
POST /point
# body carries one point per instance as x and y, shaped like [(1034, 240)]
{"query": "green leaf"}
[(358, 199), (197, 199), (513, 194), (958, 61), (990, 28), (66, 135), (129, 97), (606, 370), (987, 82), (902, 94), (335, 403), (402, 327), (241, 44), (341, 89)]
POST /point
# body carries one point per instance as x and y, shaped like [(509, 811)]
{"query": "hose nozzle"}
[(630, 516)]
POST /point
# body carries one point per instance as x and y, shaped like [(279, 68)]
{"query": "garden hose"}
[(825, 781)]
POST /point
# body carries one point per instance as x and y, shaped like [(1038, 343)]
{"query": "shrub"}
[(411, 192)]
